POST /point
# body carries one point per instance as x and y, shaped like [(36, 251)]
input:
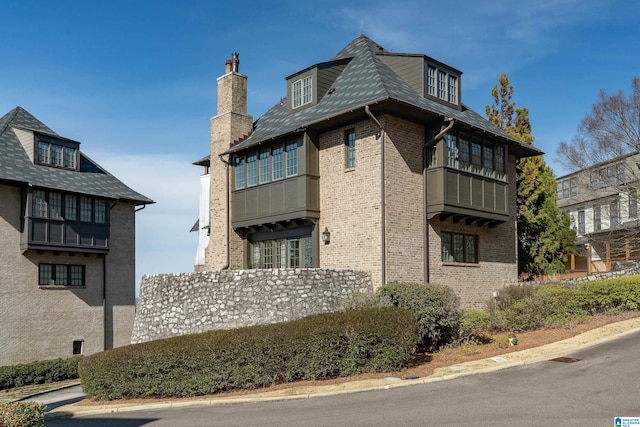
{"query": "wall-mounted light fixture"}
[(326, 236)]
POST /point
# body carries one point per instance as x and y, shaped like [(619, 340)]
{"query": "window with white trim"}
[(282, 253), (302, 91)]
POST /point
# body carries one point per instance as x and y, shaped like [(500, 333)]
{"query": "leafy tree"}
[(545, 237), (611, 129)]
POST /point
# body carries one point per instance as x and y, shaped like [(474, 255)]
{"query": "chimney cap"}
[(232, 65)]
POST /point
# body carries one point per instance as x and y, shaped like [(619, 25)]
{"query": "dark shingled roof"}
[(364, 81), (16, 166)]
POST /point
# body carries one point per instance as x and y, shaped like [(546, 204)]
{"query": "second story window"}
[(350, 148), (614, 213), (55, 205), (252, 169), (597, 218), (39, 204), (292, 158), (70, 207), (85, 209), (567, 188), (64, 207), (277, 153), (581, 222), (633, 204), (266, 165)]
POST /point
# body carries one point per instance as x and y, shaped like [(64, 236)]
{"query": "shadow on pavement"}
[(61, 419)]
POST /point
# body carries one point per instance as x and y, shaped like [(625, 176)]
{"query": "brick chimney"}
[(230, 125)]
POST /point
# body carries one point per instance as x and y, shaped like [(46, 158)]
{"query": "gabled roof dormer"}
[(428, 77), (49, 149), (307, 87)]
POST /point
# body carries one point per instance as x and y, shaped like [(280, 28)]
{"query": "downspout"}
[(228, 211), (383, 230), (425, 220)]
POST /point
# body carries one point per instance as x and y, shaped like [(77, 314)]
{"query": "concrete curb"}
[(529, 356)]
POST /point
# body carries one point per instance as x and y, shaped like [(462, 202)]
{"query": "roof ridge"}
[(10, 119)]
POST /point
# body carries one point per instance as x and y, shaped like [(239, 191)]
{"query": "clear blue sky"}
[(135, 81)]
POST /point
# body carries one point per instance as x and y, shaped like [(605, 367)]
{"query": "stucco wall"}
[(186, 303)]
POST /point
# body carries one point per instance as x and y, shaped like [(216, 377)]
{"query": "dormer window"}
[(302, 91), (57, 155), (442, 82)]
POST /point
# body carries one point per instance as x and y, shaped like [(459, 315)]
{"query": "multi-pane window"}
[(294, 253), (581, 222), (499, 159), (70, 207), (350, 148), (56, 155), (39, 204), (302, 91), (239, 169), (252, 169), (442, 85), (431, 80), (59, 206), (614, 213), (55, 205), (292, 158), (458, 247), (567, 188), (453, 89), (69, 158), (451, 142), (277, 156), (43, 152), (487, 163), (100, 211), (61, 275), (265, 166), (282, 253), (597, 218), (85, 209), (607, 176), (633, 204), (476, 156), (463, 153)]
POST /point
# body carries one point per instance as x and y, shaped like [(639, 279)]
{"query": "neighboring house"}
[(371, 162), (603, 203), (67, 247), (202, 223)]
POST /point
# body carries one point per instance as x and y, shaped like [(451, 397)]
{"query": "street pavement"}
[(69, 402)]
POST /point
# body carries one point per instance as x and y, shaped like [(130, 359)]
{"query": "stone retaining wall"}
[(186, 303)]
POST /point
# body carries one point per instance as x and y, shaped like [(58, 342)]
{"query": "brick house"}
[(372, 162), (603, 204), (67, 247)]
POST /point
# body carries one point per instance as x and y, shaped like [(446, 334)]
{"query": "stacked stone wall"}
[(187, 303)]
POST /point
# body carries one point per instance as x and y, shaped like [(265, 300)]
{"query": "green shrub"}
[(511, 294), (548, 305), (316, 347), (437, 308), (619, 294), (472, 323), (40, 372), (22, 414)]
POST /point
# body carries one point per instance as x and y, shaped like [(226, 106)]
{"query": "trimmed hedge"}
[(22, 414), (40, 372), (437, 308), (316, 347), (553, 304)]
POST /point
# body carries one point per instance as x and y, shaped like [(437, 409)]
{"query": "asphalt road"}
[(604, 383)]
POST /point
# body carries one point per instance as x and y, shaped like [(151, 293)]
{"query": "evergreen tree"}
[(545, 237)]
